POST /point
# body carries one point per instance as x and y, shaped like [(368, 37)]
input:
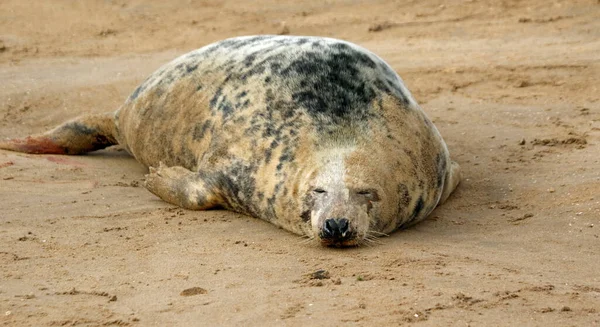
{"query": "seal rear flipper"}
[(80, 135), (181, 187)]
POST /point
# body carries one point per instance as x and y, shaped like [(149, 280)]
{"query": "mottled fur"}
[(293, 130)]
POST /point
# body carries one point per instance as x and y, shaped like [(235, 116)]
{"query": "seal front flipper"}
[(80, 135), (181, 187)]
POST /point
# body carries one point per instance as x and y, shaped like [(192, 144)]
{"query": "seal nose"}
[(336, 229)]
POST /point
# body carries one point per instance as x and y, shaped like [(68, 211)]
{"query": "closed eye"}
[(319, 190), (370, 194)]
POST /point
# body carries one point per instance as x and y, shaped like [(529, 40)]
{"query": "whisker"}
[(366, 242), (308, 236), (373, 240), (377, 233), (306, 240)]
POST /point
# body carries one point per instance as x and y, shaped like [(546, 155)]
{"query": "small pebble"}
[(193, 291), (320, 274)]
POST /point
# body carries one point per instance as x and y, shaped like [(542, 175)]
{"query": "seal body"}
[(316, 135)]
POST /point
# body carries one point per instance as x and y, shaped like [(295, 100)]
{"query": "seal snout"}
[(336, 231)]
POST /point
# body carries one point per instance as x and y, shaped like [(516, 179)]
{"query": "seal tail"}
[(83, 134)]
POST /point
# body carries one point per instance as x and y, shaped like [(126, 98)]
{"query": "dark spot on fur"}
[(275, 67), (200, 199), (418, 208), (136, 93), (302, 41), (341, 46), (249, 60), (364, 59), (200, 130), (272, 199), (404, 200), (382, 86), (79, 128), (186, 157), (101, 139), (286, 156), (215, 98), (242, 94), (225, 107), (305, 216), (441, 169), (268, 131), (308, 203), (256, 70), (190, 68)]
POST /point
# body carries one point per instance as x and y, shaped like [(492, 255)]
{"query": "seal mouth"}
[(347, 243)]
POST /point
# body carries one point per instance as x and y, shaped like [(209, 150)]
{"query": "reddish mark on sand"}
[(6, 164), (64, 160)]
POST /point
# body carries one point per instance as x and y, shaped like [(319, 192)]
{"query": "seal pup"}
[(316, 135)]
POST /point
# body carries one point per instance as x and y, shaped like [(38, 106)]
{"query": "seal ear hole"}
[(319, 190)]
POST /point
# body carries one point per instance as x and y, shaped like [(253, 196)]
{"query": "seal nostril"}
[(335, 228), (342, 225), (330, 228)]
